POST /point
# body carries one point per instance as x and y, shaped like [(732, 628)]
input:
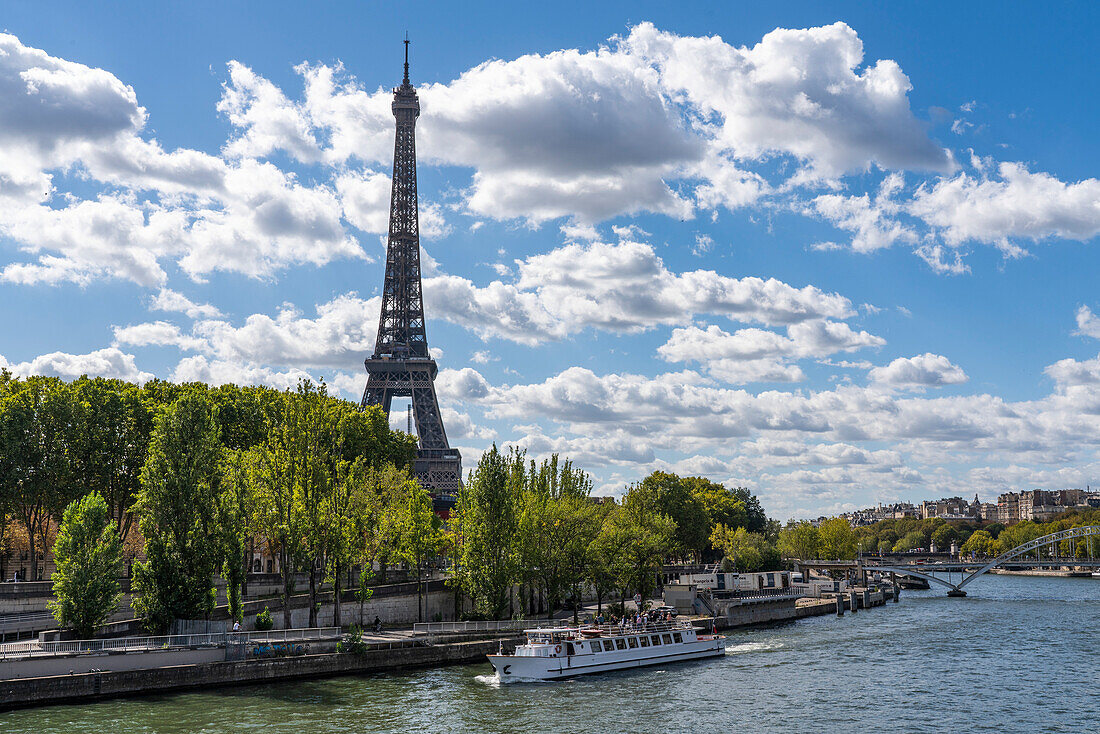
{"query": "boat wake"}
[(748, 647), (493, 681)]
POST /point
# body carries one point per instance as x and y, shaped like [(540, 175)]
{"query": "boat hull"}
[(512, 668)]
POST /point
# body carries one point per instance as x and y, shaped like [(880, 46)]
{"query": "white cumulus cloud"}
[(923, 370)]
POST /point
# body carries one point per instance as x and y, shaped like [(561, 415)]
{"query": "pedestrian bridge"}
[(1015, 558)]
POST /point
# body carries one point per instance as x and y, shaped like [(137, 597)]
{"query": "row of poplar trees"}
[(205, 474)]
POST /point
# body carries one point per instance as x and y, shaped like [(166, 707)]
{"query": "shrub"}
[(264, 622), (353, 642)]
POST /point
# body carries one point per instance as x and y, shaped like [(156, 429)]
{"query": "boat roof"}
[(613, 629)]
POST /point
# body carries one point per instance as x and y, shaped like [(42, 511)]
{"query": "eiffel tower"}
[(401, 365)]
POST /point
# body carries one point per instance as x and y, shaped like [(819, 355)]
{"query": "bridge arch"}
[(1084, 531), (1070, 534)]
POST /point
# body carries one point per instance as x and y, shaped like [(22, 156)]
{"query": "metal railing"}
[(630, 628), (34, 648), (492, 625)]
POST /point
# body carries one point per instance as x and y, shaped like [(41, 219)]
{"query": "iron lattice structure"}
[(401, 365), (1006, 559)]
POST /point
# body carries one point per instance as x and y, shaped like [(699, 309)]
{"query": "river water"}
[(1017, 655)]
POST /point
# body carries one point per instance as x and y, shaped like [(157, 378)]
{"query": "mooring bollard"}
[(840, 605), (897, 592), (866, 598), (852, 600)]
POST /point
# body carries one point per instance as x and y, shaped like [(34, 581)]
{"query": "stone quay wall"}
[(785, 610), (84, 687)]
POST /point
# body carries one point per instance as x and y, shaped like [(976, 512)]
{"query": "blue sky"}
[(838, 253)]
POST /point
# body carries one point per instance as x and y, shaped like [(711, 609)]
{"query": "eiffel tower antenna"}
[(401, 365), (406, 80)]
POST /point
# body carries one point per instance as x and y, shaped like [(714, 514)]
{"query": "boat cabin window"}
[(608, 645), (656, 639), (569, 649), (644, 640), (633, 642), (667, 639), (620, 643), (677, 637)]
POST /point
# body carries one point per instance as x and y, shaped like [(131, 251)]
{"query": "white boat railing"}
[(163, 642), (492, 625), (506, 625), (614, 630)]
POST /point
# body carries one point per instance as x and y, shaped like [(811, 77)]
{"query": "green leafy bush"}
[(353, 641), (264, 622)]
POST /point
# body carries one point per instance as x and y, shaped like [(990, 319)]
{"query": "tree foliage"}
[(484, 531), (667, 494), (980, 542), (36, 439), (418, 531), (800, 540), (837, 539), (177, 511), (88, 556), (749, 552)]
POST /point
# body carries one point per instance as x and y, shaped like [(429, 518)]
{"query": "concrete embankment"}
[(765, 611), (84, 687)]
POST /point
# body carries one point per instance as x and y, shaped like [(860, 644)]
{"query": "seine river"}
[(1017, 655)]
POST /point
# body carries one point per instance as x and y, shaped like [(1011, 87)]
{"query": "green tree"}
[(177, 513), (313, 417), (749, 552), (756, 520), (366, 434), (559, 530), (369, 536), (800, 540), (837, 539), (555, 526), (910, 541), (294, 480), (112, 424), (600, 556), (88, 556), (1018, 534), (234, 512), (667, 494), (579, 524), (943, 536), (419, 534), (35, 439), (9, 496), (639, 539), (483, 530), (979, 542), (722, 506)]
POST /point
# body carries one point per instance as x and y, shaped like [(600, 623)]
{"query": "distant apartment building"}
[(951, 508), (1011, 507), (871, 515), (1040, 505), (904, 510), (1008, 508)]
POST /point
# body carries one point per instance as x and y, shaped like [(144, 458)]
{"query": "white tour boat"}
[(563, 652)]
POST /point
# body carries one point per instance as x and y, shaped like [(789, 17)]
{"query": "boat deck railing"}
[(617, 630)]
